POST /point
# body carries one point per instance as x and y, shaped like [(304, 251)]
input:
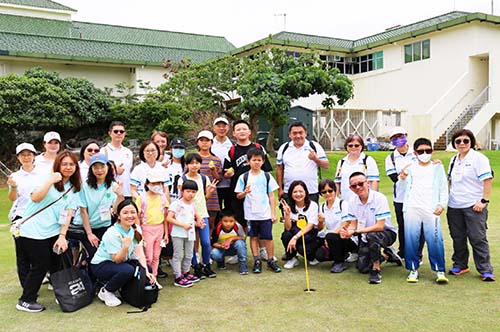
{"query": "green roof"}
[(47, 4), (67, 40)]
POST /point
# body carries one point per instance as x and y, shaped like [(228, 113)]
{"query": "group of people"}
[(175, 204)]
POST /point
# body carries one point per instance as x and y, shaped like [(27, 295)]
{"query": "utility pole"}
[(284, 20)]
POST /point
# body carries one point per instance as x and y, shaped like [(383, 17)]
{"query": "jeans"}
[(204, 234), (238, 247), (116, 275)]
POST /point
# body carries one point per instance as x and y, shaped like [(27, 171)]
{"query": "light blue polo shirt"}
[(46, 223), (111, 244), (94, 200)]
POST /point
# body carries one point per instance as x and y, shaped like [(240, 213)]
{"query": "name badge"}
[(63, 217), (105, 213), (192, 234)]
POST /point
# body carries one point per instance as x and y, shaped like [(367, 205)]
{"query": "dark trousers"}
[(224, 197), (377, 241), (112, 274), (338, 248), (310, 240), (40, 257), (398, 209), (237, 209), (23, 266), (82, 237)]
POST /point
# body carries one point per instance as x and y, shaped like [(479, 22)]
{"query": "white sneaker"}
[(412, 277), (353, 257), (314, 262), (158, 285), (232, 260), (108, 298), (263, 254), (291, 263)]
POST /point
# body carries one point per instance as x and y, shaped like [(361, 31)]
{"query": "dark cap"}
[(178, 143)]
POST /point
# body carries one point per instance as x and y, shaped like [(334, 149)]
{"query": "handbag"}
[(72, 285)]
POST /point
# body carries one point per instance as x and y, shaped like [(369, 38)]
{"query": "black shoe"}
[(375, 277), (392, 256), (271, 264), (221, 265), (198, 271), (161, 273), (29, 306), (286, 257), (207, 270), (257, 266)]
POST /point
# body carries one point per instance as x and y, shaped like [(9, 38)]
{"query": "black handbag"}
[(72, 285)]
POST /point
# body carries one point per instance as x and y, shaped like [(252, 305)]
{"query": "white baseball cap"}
[(206, 134), (50, 136), (221, 119), (154, 177), (398, 131), (25, 146)]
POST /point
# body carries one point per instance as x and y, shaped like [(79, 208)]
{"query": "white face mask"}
[(425, 158), (156, 189)]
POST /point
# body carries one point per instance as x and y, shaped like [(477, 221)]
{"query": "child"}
[(183, 216), (426, 196), (193, 164), (256, 188), (153, 207), (228, 238), (176, 166)]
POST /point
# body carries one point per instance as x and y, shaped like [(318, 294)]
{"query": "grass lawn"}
[(277, 302)]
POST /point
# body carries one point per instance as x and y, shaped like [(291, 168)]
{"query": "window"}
[(418, 51), (357, 64)]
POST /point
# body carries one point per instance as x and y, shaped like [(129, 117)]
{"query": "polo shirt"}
[(311, 214), (26, 182), (111, 244), (342, 177), (43, 166), (334, 216), (400, 162), (141, 171), (119, 156), (221, 149), (95, 200)]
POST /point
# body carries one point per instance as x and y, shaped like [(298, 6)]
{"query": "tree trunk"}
[(253, 119), (270, 139)]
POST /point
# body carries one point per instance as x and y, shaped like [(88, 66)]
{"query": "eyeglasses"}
[(356, 185), (464, 141), (150, 151), (428, 151), (70, 165), (93, 150), (118, 132), (329, 191), (353, 145)]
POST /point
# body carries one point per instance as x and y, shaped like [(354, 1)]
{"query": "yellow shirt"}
[(154, 214)]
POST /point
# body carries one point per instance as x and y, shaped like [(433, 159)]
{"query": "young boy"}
[(228, 238), (426, 195), (256, 188)]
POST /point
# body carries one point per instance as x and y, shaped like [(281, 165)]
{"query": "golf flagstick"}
[(301, 223)]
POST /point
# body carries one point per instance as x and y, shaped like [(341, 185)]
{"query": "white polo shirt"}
[(43, 165), (342, 177), (139, 173), (221, 149), (375, 209), (121, 156), (334, 216), (84, 170), (467, 176), (298, 166), (25, 182), (311, 214), (395, 167)]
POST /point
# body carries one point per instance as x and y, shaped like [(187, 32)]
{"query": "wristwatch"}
[(485, 201)]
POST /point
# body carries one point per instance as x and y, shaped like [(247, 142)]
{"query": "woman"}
[(112, 263), (355, 161), (301, 209), (99, 196), (470, 177), (21, 183), (46, 220), (149, 153), (160, 138), (88, 149), (51, 145)]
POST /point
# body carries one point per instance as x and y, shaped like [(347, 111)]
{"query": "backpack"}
[(175, 184), (311, 144), (322, 208), (453, 164), (245, 179), (138, 292), (342, 163), (233, 149)]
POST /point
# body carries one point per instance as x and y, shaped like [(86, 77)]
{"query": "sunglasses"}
[(329, 191), (93, 150), (117, 131), (428, 151), (464, 141), (353, 145), (356, 185)]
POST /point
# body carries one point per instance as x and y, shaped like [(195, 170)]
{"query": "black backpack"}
[(138, 291)]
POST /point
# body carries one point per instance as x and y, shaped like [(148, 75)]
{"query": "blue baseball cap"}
[(99, 158)]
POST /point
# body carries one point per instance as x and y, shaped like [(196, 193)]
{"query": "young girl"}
[(206, 189), (301, 208), (153, 210), (333, 214), (211, 166), (176, 167), (183, 217)]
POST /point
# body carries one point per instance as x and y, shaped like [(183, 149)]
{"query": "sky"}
[(246, 21)]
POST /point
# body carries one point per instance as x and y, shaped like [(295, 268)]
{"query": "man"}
[(370, 220), (400, 158), (120, 155), (220, 147), (299, 159)]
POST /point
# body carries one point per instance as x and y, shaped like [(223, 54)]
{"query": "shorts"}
[(263, 229)]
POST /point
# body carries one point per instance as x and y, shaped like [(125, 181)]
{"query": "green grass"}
[(277, 302)]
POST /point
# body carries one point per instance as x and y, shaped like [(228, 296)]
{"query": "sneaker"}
[(109, 298), (29, 306), (314, 262), (182, 282), (456, 271), (257, 266), (263, 254), (271, 264), (375, 277), (232, 260), (198, 271), (158, 285), (207, 270), (291, 263), (192, 278), (338, 268), (161, 274), (441, 278), (392, 256), (221, 265), (353, 257), (243, 270), (487, 276), (412, 277)]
